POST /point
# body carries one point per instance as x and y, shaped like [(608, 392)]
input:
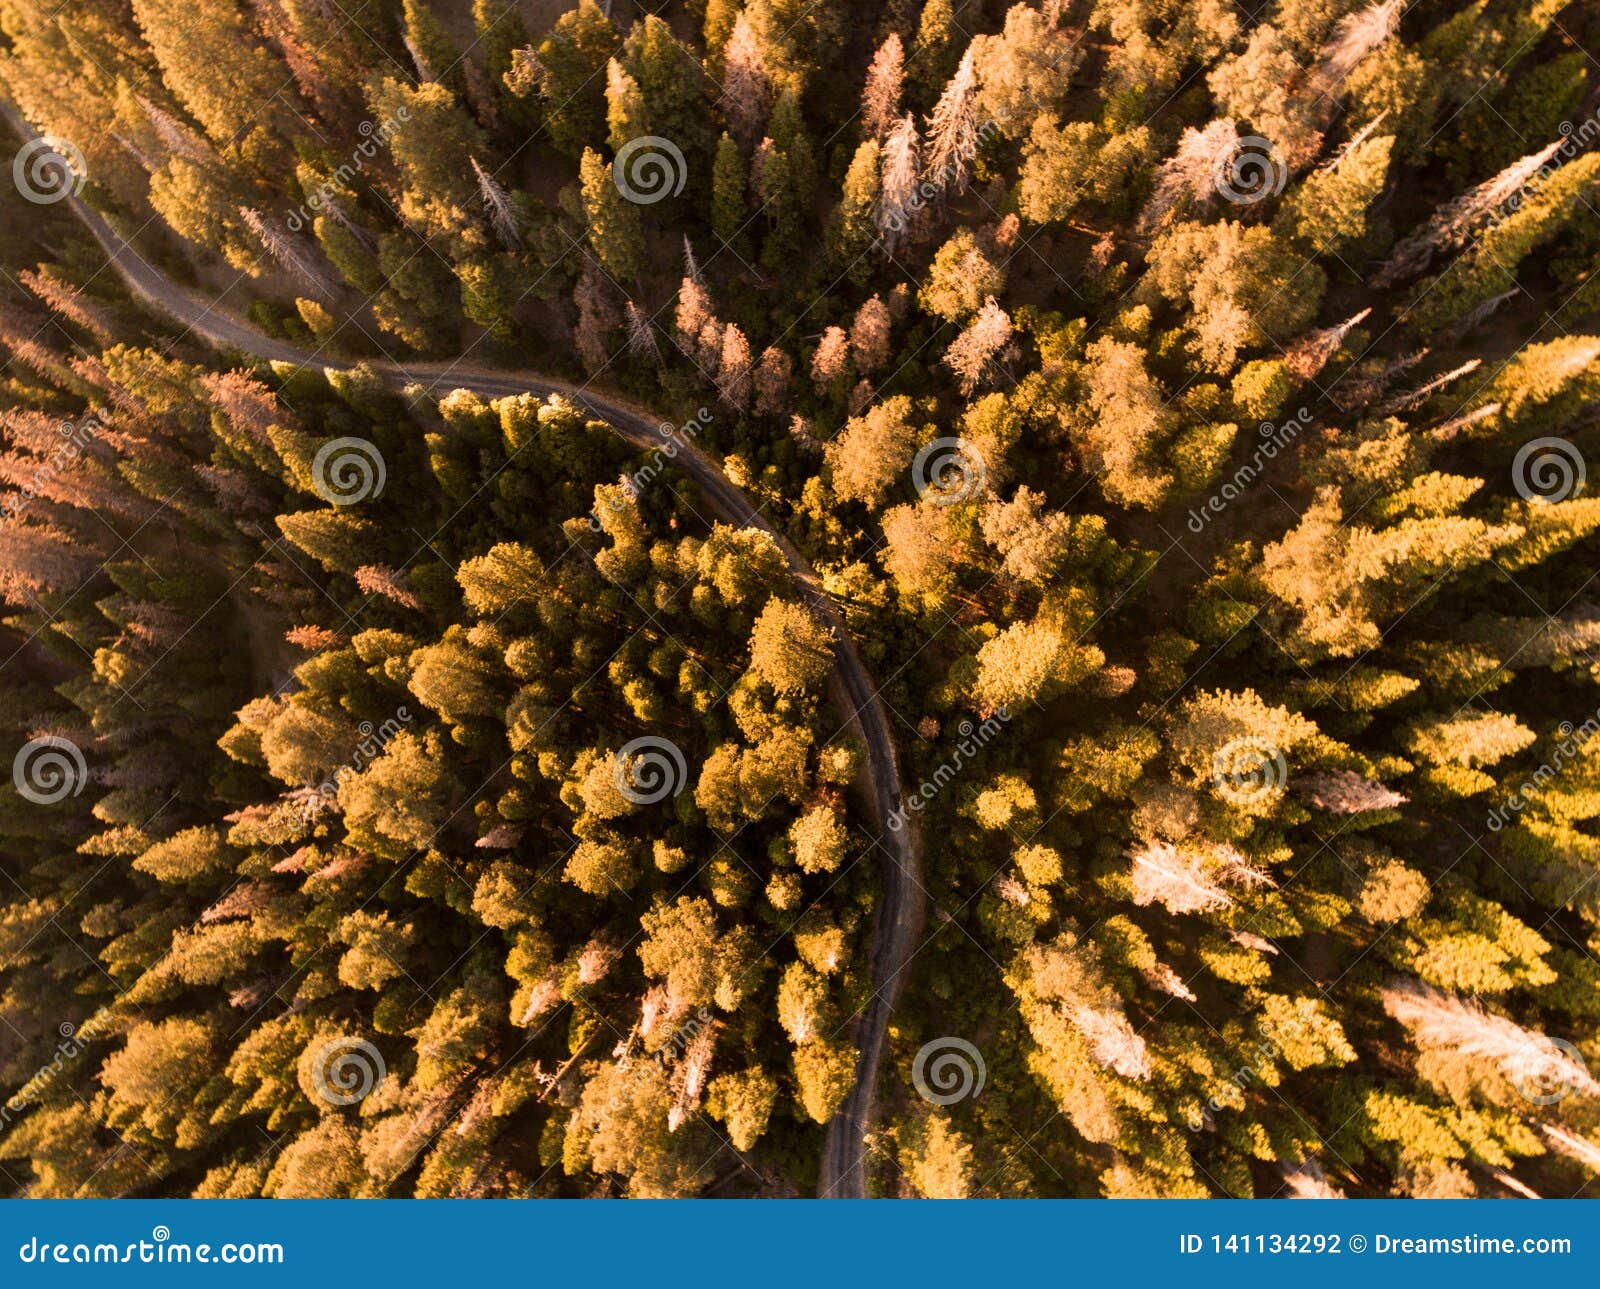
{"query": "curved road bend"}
[(900, 914)]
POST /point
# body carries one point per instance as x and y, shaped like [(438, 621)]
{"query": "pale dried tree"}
[(899, 185), (746, 88), (502, 213), (690, 1074), (831, 358), (1513, 1185), (1411, 400), (544, 996), (880, 99), (1310, 354), (178, 139), (971, 353), (1455, 221), (1168, 981), (1114, 1042), (1354, 37), (381, 579), (773, 374), (953, 131), (869, 335), (284, 247), (1190, 174), (1438, 1019), (595, 962), (734, 368), (68, 301), (313, 639), (1195, 879), (1574, 1147), (694, 314), (1344, 792), (641, 333), (425, 72), (1447, 430), (1475, 317), (1306, 1180), (501, 837)]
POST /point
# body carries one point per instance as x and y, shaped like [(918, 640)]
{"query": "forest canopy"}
[(621, 601)]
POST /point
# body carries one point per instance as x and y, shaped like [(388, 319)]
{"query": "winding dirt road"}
[(843, 1170)]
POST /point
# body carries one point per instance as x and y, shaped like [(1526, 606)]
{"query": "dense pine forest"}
[(641, 600)]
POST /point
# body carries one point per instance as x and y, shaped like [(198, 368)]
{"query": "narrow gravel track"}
[(903, 907)]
